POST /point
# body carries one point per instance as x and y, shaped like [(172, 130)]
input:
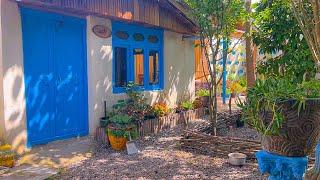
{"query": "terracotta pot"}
[(117, 143), (300, 132), (237, 159)]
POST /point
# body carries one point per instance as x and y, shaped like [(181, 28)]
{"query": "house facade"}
[(60, 60)]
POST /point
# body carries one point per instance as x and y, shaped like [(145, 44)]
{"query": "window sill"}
[(120, 90)]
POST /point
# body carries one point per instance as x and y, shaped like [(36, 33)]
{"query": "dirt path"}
[(159, 158)]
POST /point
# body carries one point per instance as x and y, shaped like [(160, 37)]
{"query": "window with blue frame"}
[(137, 57)]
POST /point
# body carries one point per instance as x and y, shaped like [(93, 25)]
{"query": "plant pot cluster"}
[(151, 125), (132, 117)]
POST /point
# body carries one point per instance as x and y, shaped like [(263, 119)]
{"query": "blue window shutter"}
[(131, 43)]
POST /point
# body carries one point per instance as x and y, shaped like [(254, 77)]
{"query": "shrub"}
[(135, 105), (122, 125), (203, 93), (186, 105), (160, 109), (236, 88)]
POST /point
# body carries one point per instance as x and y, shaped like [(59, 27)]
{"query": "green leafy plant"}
[(135, 105), (186, 105), (228, 91), (237, 88), (121, 119), (217, 20), (268, 96), (203, 93), (122, 125), (243, 81), (277, 32)]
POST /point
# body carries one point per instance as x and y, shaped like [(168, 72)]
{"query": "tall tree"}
[(217, 20), (277, 32), (250, 67), (307, 13)]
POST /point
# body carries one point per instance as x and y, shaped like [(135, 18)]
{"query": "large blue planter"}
[(282, 167), (300, 131)]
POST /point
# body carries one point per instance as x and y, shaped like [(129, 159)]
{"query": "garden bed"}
[(218, 146), (156, 125), (232, 137)]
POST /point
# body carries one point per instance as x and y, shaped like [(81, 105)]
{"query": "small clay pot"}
[(237, 159)]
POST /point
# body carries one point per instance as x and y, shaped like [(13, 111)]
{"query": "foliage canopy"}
[(277, 32)]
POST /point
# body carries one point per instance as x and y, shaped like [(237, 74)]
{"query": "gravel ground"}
[(244, 133), (159, 158)]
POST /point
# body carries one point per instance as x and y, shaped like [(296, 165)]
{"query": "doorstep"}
[(50, 158)]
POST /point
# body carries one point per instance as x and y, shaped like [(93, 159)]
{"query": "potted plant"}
[(7, 156), (120, 129), (160, 109), (204, 95), (185, 108), (136, 105), (197, 103), (286, 114)]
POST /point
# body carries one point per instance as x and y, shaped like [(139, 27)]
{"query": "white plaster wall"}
[(178, 67), (14, 114), (179, 74), (2, 127), (99, 73)]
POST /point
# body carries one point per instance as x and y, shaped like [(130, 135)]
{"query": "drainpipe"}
[(224, 75)]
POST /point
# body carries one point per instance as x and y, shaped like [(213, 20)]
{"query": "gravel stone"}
[(159, 158)]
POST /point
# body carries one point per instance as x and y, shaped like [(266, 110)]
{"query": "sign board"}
[(101, 31)]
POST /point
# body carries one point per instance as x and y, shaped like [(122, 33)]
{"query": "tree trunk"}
[(250, 67)]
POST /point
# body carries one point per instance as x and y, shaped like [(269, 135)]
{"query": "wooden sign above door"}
[(101, 31)]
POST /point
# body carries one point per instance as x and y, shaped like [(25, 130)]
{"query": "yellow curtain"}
[(138, 69)]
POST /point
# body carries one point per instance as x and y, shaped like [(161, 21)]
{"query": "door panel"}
[(55, 76), (69, 66), (38, 78)]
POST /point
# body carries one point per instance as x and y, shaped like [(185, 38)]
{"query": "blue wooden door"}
[(69, 53), (55, 76)]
